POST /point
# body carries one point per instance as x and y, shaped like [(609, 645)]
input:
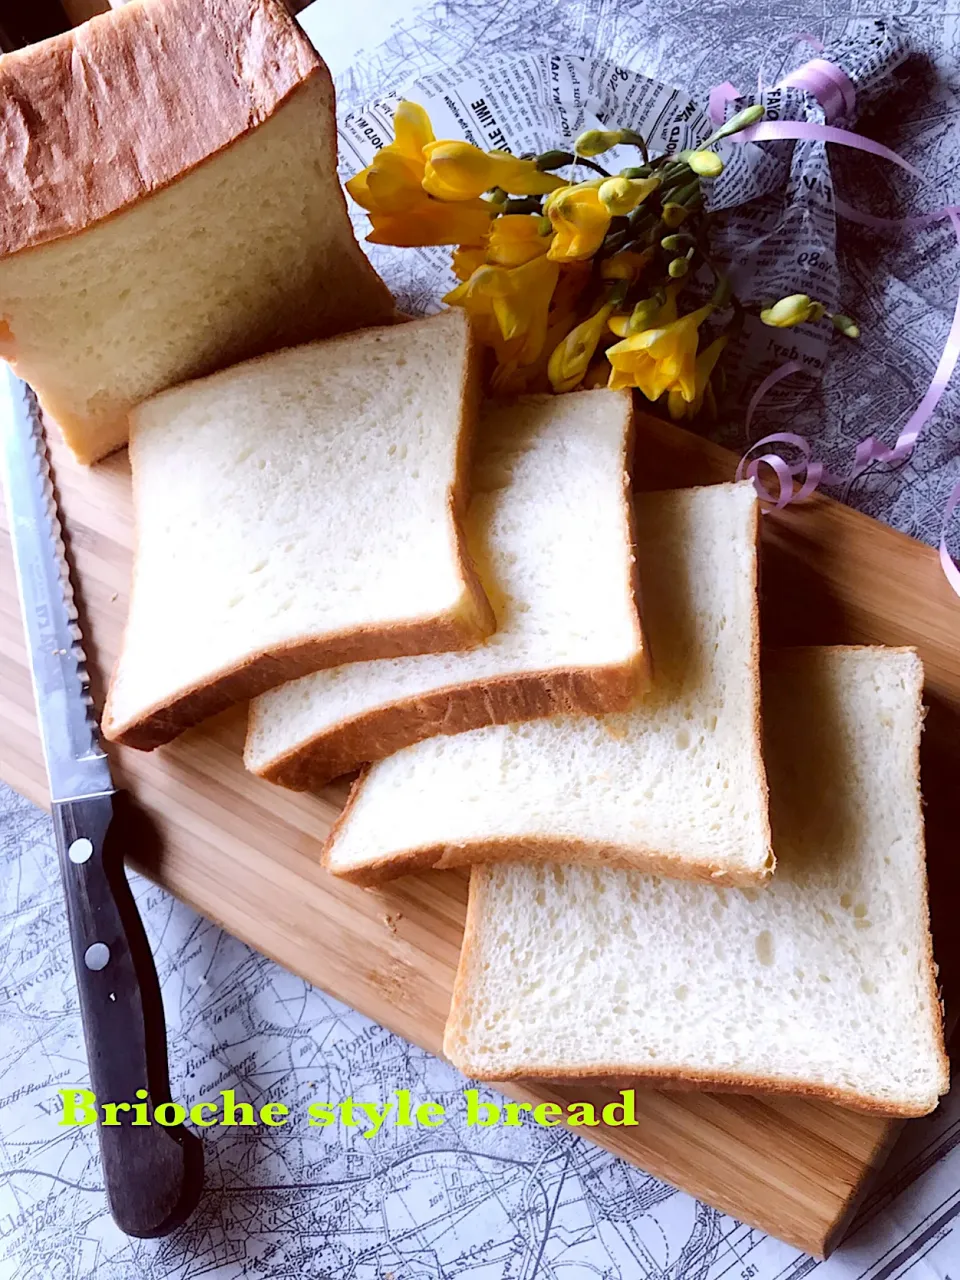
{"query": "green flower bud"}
[(789, 311), (706, 164), (497, 195), (674, 244), (596, 141), (635, 171), (544, 226), (849, 328), (673, 214), (554, 160), (643, 315), (742, 120), (678, 268)]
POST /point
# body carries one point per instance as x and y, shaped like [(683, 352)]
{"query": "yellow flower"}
[(466, 260), (628, 264), (790, 311), (511, 379), (657, 360), (511, 306), (389, 185), (574, 279), (432, 223), (705, 365), (515, 239), (461, 171), (412, 130), (393, 181), (571, 358), (562, 192), (391, 190), (647, 314), (622, 195), (580, 221)]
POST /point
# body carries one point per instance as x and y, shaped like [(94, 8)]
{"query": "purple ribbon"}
[(829, 84), (835, 92), (807, 131)]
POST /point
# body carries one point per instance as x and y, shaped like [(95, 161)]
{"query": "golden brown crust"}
[(628, 507), (680, 1079), (459, 708), (262, 671), (441, 857), (470, 622), (175, 83), (756, 741)]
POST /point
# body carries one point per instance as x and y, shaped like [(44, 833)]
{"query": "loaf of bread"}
[(550, 528), (820, 983), (674, 785), (298, 511), (169, 205)]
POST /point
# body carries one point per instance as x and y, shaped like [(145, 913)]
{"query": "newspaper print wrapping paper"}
[(900, 287), (775, 229)]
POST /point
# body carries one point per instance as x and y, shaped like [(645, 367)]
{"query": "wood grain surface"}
[(245, 853)]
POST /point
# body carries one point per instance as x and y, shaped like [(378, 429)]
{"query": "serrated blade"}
[(76, 764)]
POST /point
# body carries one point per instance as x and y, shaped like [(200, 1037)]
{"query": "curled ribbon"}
[(829, 84), (835, 92)]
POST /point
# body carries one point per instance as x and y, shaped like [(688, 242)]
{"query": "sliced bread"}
[(298, 511), (550, 528), (821, 983), (675, 784), (169, 206)]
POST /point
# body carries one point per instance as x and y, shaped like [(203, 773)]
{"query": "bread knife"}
[(153, 1175)]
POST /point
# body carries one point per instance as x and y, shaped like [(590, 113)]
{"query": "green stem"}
[(589, 164)]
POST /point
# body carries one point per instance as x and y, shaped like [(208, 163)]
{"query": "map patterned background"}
[(486, 1204)]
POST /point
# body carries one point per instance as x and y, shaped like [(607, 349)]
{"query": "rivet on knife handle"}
[(153, 1175)]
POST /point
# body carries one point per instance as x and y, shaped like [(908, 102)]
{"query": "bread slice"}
[(170, 206), (550, 527), (674, 785), (822, 983), (298, 511)]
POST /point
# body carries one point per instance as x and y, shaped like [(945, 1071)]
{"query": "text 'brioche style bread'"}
[(298, 511), (820, 983), (169, 205), (550, 529), (675, 784)]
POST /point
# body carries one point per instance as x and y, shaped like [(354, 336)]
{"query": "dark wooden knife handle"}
[(153, 1175)]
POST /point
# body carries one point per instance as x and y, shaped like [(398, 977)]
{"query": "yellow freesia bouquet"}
[(574, 283)]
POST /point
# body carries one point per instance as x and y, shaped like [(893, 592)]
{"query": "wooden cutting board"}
[(246, 854)]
